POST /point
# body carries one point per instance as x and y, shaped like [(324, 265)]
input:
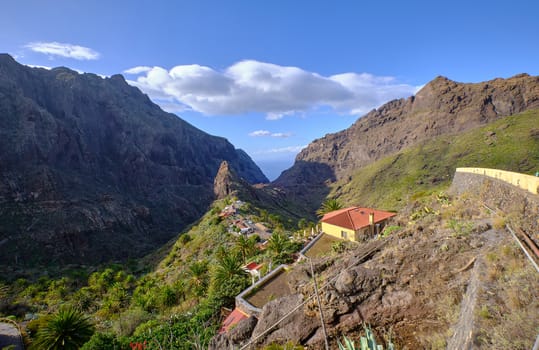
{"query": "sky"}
[(272, 76)]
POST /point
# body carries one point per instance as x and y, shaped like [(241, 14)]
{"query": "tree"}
[(277, 243), (103, 341), (229, 278), (198, 277), (302, 224), (329, 205), (67, 329), (275, 220), (246, 246), (228, 266), (115, 300), (264, 215)]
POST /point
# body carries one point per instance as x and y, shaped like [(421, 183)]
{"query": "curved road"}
[(9, 335)]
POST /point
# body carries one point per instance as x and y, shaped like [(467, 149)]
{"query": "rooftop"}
[(233, 319), (253, 266), (355, 218)]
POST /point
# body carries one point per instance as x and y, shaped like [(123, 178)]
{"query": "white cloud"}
[(289, 149), (259, 133), (282, 135), (138, 70), (64, 50), (262, 133), (277, 91)]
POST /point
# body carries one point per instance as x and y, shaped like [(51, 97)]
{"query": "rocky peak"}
[(442, 106), (225, 180), (228, 183)]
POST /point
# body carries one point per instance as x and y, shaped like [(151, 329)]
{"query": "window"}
[(344, 235)]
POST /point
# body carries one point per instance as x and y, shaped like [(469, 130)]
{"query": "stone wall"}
[(243, 304), (523, 181), (519, 206)]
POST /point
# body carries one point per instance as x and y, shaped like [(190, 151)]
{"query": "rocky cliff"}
[(91, 170), (440, 107), (228, 183)]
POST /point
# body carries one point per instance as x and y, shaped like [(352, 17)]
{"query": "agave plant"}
[(367, 342), (69, 329)]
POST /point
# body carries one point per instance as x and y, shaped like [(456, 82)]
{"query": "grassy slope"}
[(393, 181)]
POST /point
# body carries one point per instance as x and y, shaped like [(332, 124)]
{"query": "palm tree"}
[(246, 247), (198, 277), (277, 243), (228, 278), (329, 205), (228, 266), (68, 329)]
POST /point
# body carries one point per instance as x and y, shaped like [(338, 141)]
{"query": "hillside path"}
[(463, 330), (9, 335)]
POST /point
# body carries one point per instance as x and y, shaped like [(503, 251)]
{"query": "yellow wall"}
[(335, 231), (526, 182)]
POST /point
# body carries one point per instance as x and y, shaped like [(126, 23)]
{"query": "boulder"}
[(297, 327), (357, 282), (243, 330)]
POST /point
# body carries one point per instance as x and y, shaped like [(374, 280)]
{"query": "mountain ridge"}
[(92, 170), (442, 106)]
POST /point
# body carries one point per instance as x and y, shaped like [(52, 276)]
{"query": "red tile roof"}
[(233, 319), (253, 266), (354, 218)]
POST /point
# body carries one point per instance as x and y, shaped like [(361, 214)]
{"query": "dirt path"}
[(463, 330), (9, 335), (462, 338)]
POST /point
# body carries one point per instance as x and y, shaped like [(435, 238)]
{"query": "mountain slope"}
[(398, 179), (92, 170), (441, 107)]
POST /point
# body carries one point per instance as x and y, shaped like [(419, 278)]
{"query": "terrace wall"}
[(244, 305), (498, 192), (526, 182)]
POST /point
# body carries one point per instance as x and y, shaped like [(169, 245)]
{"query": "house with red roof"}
[(355, 223), (232, 320)]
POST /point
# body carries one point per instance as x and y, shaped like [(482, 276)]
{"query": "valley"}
[(150, 230)]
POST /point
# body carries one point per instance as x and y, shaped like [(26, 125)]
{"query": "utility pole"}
[(319, 306)]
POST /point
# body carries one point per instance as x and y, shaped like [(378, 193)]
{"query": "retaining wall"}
[(247, 307), (520, 205), (526, 182)]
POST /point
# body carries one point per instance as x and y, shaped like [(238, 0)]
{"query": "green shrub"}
[(104, 341), (484, 312), (459, 228), (185, 238), (389, 230), (129, 320)]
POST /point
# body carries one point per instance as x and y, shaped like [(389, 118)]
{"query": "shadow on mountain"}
[(304, 187), (92, 171)]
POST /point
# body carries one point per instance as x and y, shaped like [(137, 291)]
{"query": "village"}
[(336, 228)]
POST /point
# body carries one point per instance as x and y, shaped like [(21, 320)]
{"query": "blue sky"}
[(271, 76)]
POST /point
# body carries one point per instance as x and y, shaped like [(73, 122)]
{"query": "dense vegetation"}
[(171, 299)]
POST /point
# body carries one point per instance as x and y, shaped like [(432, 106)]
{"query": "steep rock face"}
[(228, 183), (441, 107), (92, 170)]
